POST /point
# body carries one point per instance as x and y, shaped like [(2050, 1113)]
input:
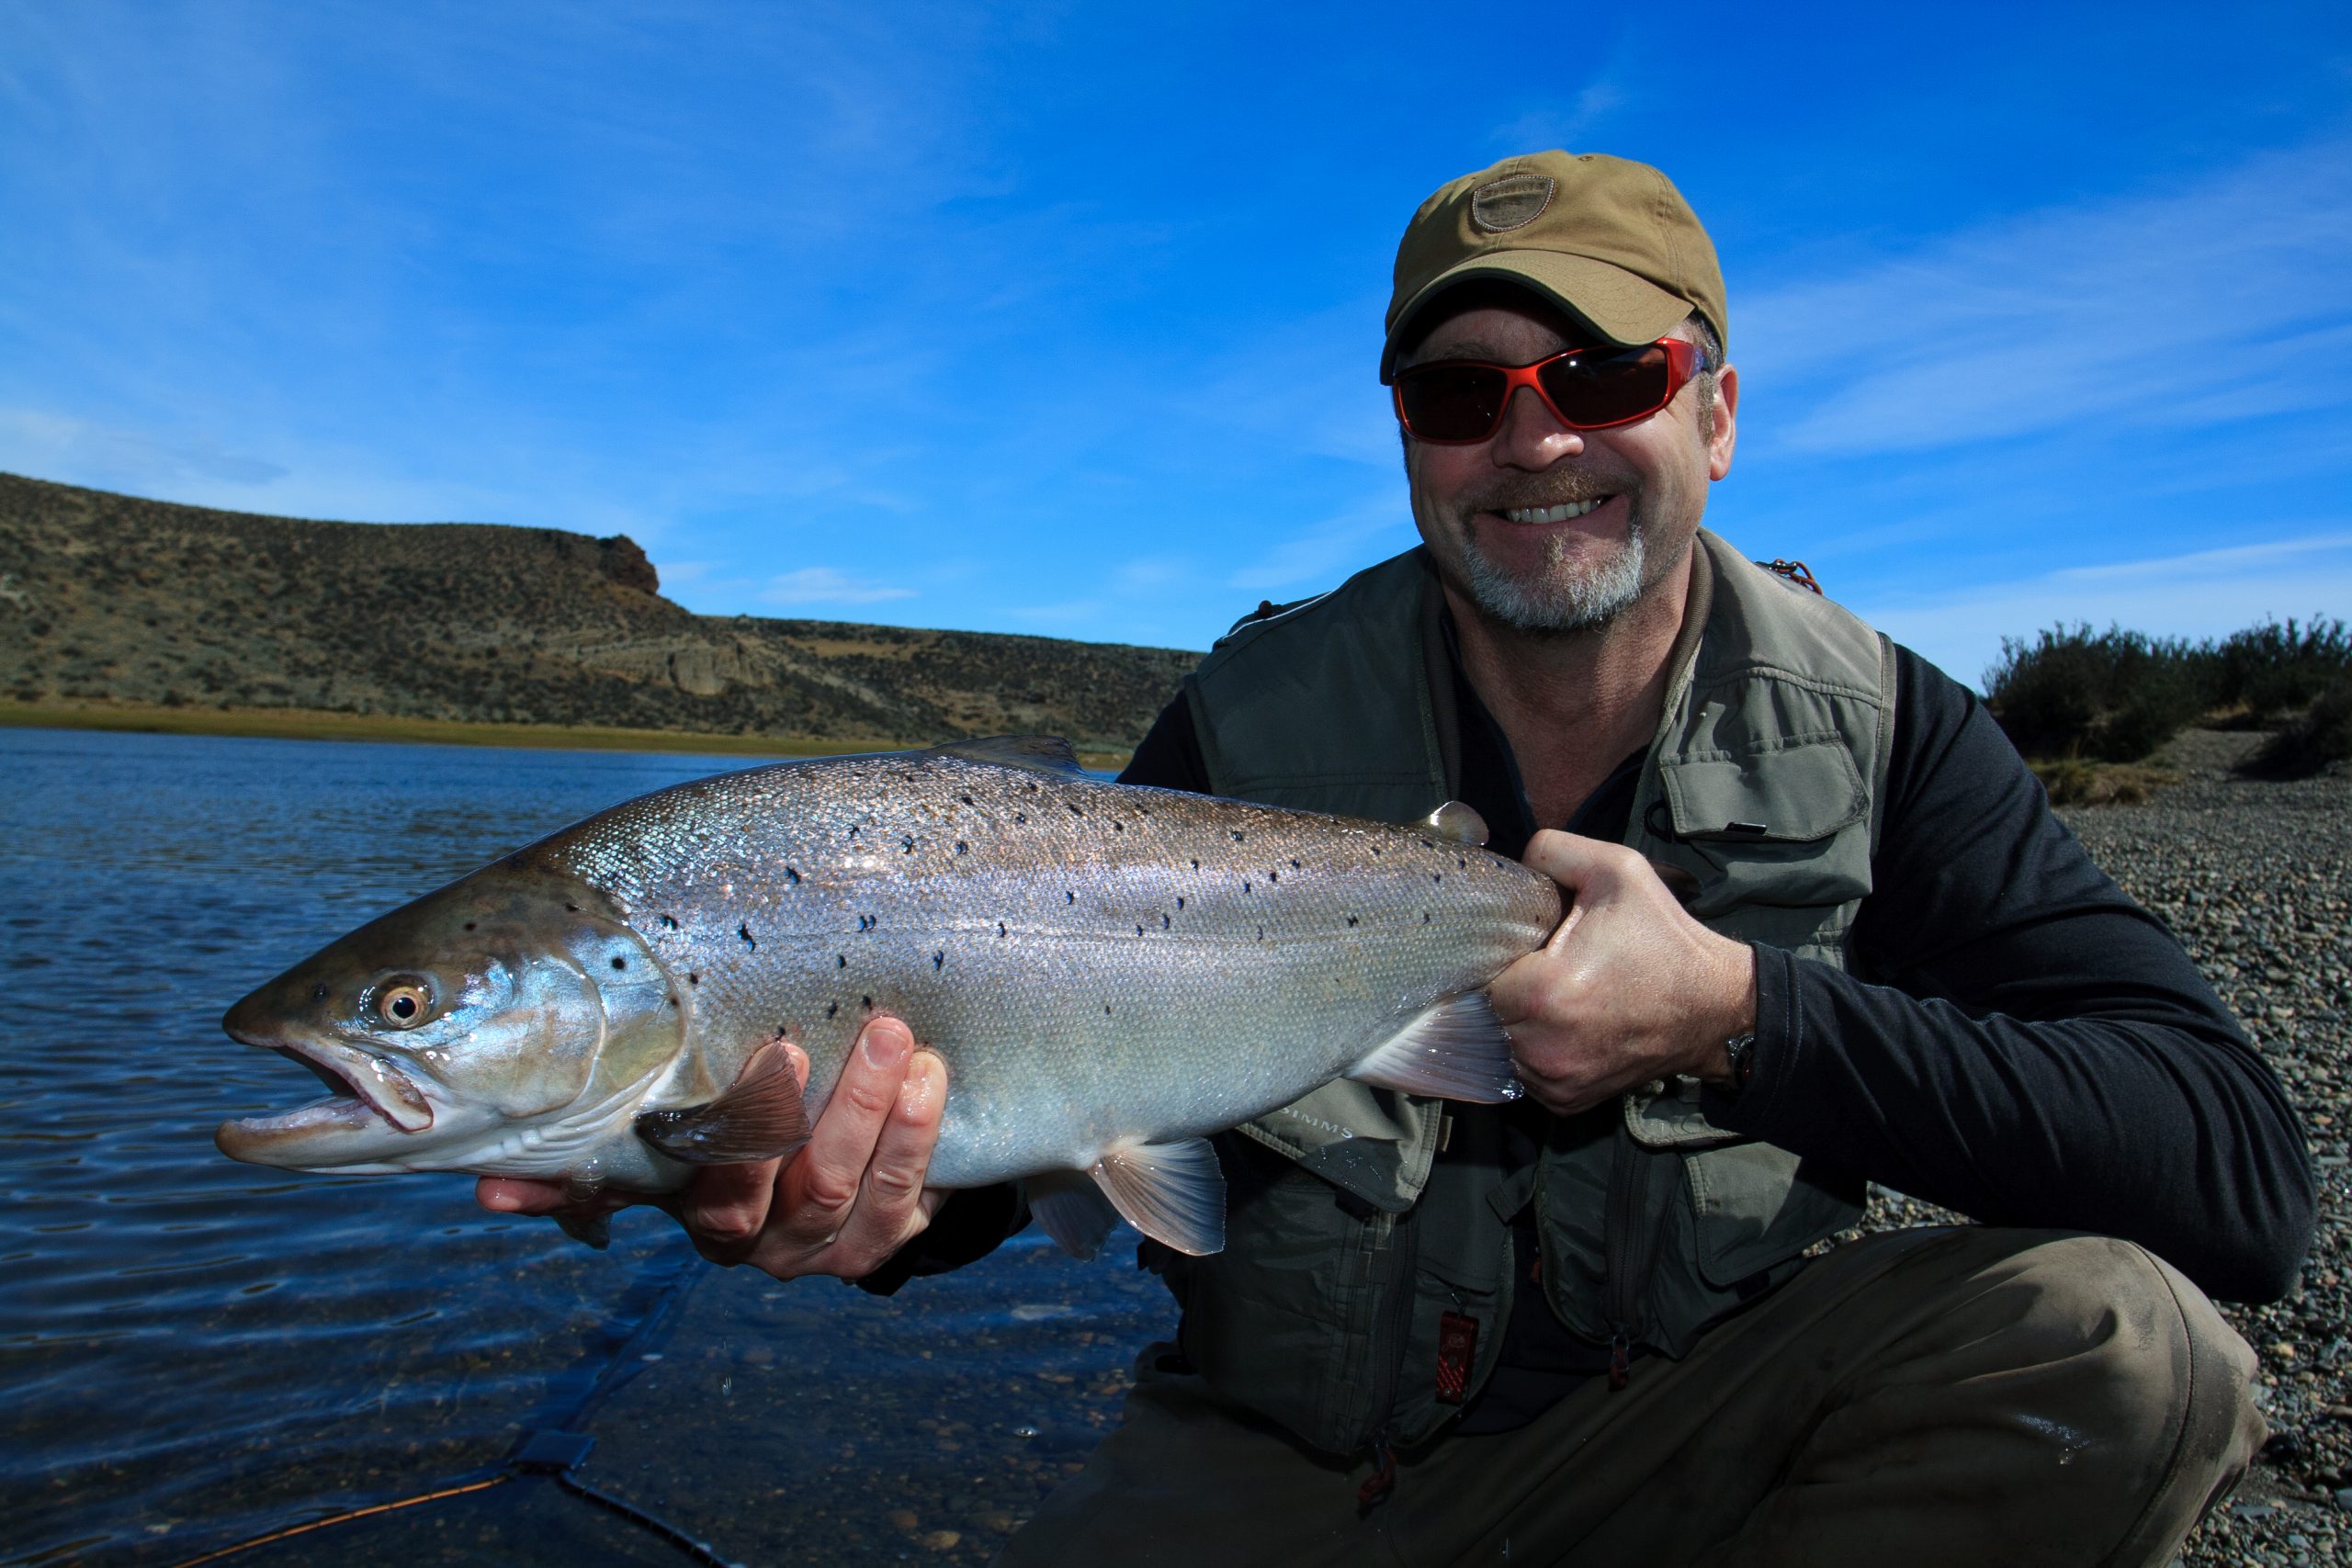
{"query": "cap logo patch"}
[(1512, 202)]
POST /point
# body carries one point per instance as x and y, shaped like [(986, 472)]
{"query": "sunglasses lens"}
[(1589, 391), (1451, 402)]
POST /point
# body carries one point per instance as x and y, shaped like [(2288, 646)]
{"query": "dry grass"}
[(2078, 781), (309, 723)]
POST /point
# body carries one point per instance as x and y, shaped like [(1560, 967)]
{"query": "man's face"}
[(1544, 528)]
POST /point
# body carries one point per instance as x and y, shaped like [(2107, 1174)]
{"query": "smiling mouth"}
[(360, 1086), (1562, 512)]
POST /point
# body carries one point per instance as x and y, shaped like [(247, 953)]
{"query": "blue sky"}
[(1065, 319)]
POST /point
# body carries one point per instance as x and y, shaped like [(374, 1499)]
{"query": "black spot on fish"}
[(1437, 877), (573, 908), (1196, 864), (1262, 933), (1294, 865), (866, 1002), (965, 799), (1273, 877), (693, 978), (907, 844), (1245, 884), (832, 1007), (670, 922), (999, 928), (1118, 827), (1021, 817), (852, 831), (1352, 919), (1163, 922), (1462, 862), (792, 876), (1106, 1009), (962, 848), (840, 961), (1069, 897), (318, 993), (1236, 836), (470, 925), (1426, 845), (621, 963), (1425, 916), (744, 931), (1138, 930), (938, 961), (1180, 901), (673, 1002)]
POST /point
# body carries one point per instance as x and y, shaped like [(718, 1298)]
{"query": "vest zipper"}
[(1397, 1317), (1629, 1249)]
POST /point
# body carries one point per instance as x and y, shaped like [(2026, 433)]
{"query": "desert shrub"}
[(2115, 695), (2310, 742), (2275, 668)]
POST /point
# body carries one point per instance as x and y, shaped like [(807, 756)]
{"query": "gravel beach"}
[(2256, 878)]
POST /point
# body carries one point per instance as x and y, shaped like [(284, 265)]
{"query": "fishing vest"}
[(1361, 1297)]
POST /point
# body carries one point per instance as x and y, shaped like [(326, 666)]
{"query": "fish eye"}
[(401, 1003)]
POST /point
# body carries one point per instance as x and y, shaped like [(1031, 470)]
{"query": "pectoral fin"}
[(1457, 1050), (592, 1230), (1173, 1192), (760, 1117)]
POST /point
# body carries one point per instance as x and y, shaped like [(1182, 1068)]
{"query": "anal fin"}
[(759, 1117), (1174, 1193), (1072, 1209), (1457, 1050)]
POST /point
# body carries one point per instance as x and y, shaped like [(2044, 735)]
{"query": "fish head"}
[(512, 997)]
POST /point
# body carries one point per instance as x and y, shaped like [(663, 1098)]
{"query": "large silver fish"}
[(1109, 972)]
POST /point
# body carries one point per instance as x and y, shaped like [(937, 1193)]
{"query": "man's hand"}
[(841, 1204), (1628, 989)]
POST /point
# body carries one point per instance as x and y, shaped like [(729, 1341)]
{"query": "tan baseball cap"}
[(1610, 241)]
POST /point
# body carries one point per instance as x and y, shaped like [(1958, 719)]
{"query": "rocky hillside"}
[(108, 596)]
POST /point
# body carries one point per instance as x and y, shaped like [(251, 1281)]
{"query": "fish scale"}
[(1101, 967), (1113, 1004)]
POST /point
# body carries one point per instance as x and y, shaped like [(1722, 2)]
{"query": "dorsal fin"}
[(1038, 753), (1459, 822)]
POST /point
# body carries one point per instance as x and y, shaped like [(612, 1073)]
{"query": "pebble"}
[(2256, 876)]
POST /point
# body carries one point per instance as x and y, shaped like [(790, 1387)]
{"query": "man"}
[(1593, 1327)]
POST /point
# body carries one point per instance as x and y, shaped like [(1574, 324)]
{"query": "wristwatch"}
[(1741, 1049)]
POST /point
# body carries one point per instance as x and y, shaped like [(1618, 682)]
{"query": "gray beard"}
[(1556, 598)]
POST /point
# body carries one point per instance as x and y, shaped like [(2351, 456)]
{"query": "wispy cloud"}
[(2194, 593), (1319, 556), (2223, 301), (33, 441), (828, 585)]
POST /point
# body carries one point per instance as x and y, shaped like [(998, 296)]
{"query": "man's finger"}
[(1570, 859), (832, 1167), (889, 1206)]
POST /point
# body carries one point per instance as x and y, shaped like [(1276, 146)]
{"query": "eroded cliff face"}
[(106, 595)]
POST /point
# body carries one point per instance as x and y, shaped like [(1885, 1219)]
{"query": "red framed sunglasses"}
[(1458, 402)]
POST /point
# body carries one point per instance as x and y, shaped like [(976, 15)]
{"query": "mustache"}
[(1551, 488)]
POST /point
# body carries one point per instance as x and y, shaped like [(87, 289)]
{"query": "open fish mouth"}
[(364, 1088)]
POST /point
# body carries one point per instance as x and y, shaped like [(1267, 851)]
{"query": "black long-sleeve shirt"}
[(2029, 1048), (2017, 1040)]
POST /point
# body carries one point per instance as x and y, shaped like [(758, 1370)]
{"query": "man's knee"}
[(2129, 1369)]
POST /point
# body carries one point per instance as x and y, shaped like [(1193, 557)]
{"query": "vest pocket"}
[(1755, 1207), (1782, 822)]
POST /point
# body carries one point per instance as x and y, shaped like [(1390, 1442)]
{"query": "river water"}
[(195, 1352)]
